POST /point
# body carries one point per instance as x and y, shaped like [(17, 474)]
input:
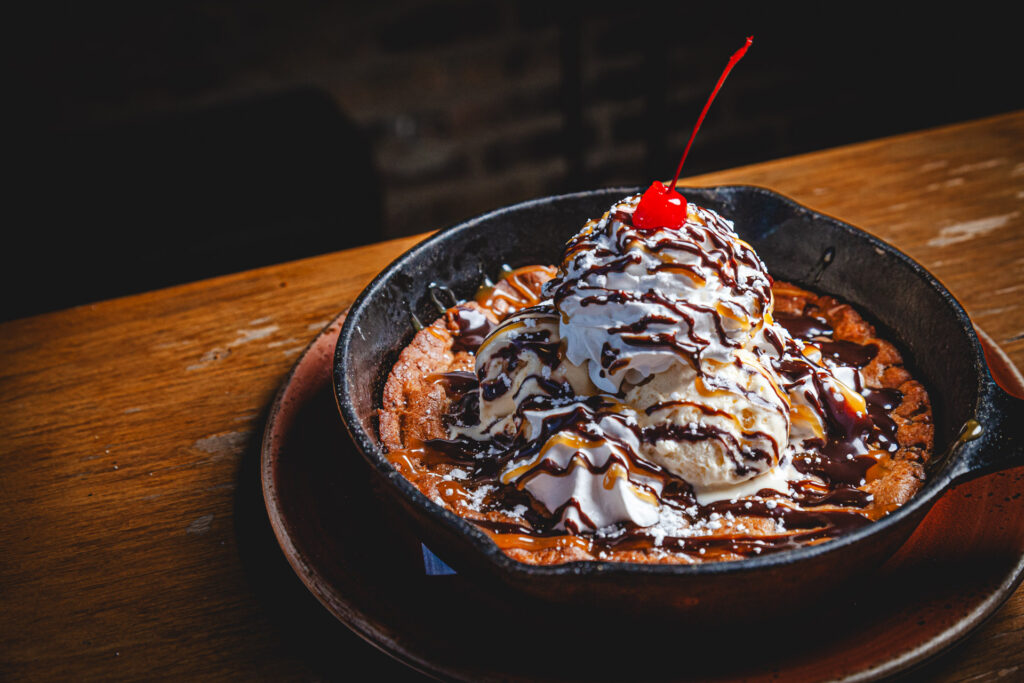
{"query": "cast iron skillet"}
[(979, 428)]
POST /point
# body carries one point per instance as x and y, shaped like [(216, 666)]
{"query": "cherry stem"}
[(737, 56)]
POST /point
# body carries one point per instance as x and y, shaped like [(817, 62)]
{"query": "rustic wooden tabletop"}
[(134, 543)]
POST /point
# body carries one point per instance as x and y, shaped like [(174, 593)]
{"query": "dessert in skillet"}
[(656, 398)]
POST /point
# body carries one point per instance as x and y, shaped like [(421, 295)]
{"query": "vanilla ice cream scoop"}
[(633, 302), (573, 456), (521, 362), (714, 433)]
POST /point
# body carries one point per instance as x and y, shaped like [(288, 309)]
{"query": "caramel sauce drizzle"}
[(521, 294), (849, 453)]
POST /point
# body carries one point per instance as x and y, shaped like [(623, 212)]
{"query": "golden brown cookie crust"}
[(415, 403)]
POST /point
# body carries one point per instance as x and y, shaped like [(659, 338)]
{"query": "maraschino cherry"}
[(663, 207)]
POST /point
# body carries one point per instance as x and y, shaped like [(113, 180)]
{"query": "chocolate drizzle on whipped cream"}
[(648, 397)]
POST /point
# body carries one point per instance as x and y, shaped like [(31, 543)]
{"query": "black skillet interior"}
[(909, 306)]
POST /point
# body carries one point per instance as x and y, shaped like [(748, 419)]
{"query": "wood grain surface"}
[(134, 543)]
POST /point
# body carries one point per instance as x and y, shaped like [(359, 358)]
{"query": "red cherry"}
[(663, 207), (660, 207)]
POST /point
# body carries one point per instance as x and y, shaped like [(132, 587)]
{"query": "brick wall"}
[(472, 105), (468, 106)]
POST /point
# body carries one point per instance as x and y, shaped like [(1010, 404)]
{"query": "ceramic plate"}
[(360, 560)]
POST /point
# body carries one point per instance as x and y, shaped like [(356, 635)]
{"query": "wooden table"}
[(134, 543)]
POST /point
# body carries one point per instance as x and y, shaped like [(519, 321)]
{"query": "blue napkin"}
[(433, 564)]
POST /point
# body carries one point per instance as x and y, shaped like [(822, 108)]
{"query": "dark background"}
[(157, 143)]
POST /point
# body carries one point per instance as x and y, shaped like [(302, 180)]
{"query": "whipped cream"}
[(652, 363), (635, 302)]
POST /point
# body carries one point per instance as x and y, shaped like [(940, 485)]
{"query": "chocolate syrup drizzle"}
[(799, 520), (837, 465)]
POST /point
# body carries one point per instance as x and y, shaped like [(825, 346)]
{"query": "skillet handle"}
[(1000, 445)]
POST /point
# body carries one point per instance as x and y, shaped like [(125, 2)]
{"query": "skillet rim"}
[(939, 481)]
